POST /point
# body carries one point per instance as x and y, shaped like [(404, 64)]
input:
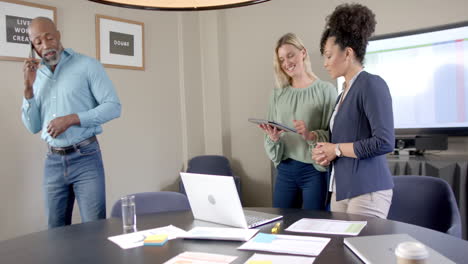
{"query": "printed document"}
[(278, 259), (136, 239), (200, 258), (220, 233), (295, 245), (327, 226)]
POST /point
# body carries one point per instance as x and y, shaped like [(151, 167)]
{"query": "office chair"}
[(155, 202), (211, 164), (425, 201)]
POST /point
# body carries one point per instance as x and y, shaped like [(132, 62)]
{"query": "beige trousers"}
[(374, 204)]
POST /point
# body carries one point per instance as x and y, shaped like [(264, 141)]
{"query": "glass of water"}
[(128, 213)]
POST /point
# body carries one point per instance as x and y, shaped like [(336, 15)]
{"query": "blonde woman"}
[(306, 103)]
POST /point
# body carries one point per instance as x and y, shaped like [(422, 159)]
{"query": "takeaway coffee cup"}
[(411, 253)]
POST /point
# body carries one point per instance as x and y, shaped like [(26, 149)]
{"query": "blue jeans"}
[(299, 185), (77, 175)]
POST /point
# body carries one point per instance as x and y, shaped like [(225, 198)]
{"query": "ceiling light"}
[(179, 5)]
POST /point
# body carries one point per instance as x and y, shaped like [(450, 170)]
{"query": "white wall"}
[(206, 73)]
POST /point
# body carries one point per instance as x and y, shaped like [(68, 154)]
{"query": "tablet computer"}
[(273, 124)]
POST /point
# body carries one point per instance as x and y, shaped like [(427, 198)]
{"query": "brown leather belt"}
[(72, 148)]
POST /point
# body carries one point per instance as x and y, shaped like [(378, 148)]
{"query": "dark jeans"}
[(77, 175), (299, 185)]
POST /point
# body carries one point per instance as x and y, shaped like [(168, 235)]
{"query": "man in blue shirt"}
[(68, 96)]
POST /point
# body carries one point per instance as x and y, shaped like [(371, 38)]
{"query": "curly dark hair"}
[(351, 25)]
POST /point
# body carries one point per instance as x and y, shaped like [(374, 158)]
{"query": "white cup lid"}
[(411, 250)]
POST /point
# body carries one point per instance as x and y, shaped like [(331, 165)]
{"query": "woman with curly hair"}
[(361, 126), (306, 103)]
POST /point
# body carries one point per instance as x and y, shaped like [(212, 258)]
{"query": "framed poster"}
[(15, 17), (120, 43)]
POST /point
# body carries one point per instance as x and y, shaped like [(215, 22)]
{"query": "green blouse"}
[(314, 105)]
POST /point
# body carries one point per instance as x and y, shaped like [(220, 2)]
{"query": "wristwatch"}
[(338, 151)]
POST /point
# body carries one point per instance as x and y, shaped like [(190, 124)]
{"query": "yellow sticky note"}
[(260, 262), (156, 238)]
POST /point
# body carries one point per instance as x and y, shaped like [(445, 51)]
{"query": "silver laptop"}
[(381, 249), (215, 199)]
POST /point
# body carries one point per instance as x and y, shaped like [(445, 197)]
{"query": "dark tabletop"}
[(88, 243)]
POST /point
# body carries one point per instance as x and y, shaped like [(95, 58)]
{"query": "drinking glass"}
[(128, 213)]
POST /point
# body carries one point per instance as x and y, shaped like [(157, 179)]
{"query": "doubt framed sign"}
[(120, 43), (15, 17)]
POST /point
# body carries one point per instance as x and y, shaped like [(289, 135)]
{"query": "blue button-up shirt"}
[(79, 85)]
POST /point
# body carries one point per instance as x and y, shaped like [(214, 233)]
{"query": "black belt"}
[(72, 148)]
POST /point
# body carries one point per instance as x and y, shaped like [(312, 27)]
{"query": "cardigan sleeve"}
[(377, 106)]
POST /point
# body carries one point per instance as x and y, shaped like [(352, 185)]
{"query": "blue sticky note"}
[(264, 238)]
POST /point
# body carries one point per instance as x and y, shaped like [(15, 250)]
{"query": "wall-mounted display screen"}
[(427, 73)]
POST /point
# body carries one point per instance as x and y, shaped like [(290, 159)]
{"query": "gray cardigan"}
[(366, 119)]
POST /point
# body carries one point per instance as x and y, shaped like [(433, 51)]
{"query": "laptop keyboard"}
[(253, 219)]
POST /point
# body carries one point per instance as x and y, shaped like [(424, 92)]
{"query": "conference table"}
[(88, 243)]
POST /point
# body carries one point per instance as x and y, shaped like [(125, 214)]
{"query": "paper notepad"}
[(278, 259), (221, 233), (200, 258), (287, 244), (327, 226), (137, 239)]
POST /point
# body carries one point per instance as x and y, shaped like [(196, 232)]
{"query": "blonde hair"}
[(281, 78)]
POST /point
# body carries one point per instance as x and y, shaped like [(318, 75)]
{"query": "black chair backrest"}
[(425, 201), (210, 164), (213, 165)]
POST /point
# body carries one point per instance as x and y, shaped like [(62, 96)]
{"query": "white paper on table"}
[(201, 258), (296, 245), (221, 233), (327, 226), (136, 239), (279, 259)]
